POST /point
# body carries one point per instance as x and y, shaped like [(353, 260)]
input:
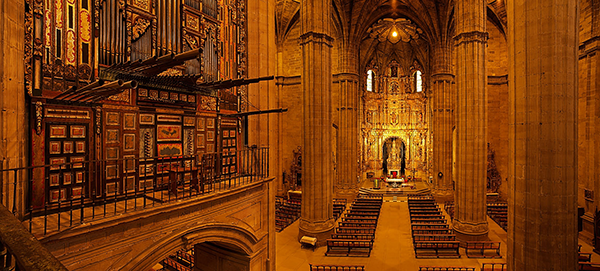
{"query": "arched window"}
[(418, 81), (370, 77)]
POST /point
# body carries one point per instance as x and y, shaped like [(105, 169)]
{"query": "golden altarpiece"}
[(395, 118), (128, 82)]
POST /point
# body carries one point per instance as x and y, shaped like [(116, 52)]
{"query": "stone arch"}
[(225, 233)]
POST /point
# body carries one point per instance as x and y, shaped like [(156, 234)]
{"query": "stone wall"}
[(140, 239)]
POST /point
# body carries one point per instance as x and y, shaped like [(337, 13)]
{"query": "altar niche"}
[(394, 156)]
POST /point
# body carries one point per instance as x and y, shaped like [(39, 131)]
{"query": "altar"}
[(395, 182)]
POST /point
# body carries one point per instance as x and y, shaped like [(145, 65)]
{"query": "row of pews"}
[(181, 261), (286, 211), (355, 233), (339, 206), (585, 261), (498, 211), (432, 236), (315, 267), (484, 267)]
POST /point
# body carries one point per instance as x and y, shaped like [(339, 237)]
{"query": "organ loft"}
[(299, 135)]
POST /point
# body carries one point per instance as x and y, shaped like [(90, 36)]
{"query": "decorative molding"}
[(314, 37), (473, 36), (28, 54), (66, 113), (38, 117), (139, 28)]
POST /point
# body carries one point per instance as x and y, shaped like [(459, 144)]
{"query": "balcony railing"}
[(60, 196)]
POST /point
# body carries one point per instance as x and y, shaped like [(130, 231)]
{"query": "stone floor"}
[(392, 249)]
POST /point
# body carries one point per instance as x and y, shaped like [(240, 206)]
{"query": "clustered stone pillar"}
[(316, 218), (347, 108), (470, 221), (542, 230), (443, 120), (13, 109)]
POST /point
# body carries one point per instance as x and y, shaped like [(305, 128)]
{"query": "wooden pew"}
[(356, 236), (345, 247), (423, 207), (175, 265), (437, 249), (359, 220), (588, 266), (362, 212), (370, 224), (185, 256), (370, 196), (433, 237), (353, 230), (428, 220), (482, 249), (438, 216), (360, 216), (321, 267), (426, 212), (367, 207), (445, 268), (433, 231), (493, 267), (428, 226), (585, 257)]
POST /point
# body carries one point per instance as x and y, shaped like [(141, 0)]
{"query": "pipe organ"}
[(114, 80)]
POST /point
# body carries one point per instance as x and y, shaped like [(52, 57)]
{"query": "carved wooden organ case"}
[(129, 79)]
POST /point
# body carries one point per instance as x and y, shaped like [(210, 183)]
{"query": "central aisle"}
[(392, 250)]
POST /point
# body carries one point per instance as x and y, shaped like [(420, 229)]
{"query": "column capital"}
[(469, 37), (315, 37)]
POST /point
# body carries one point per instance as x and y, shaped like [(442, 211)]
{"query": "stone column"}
[(443, 96), (317, 166), (470, 220), (13, 109), (264, 130), (348, 110), (543, 39)]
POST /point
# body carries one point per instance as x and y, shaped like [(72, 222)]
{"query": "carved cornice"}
[(469, 37), (339, 77), (445, 77), (498, 80), (314, 37)]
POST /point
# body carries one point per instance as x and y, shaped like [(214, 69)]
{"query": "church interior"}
[(344, 135)]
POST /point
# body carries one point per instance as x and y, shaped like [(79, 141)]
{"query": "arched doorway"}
[(207, 256), (227, 246), (394, 155)]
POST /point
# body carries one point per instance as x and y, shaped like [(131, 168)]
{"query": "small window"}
[(370, 75), (418, 81)]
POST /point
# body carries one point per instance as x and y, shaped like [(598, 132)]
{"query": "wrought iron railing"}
[(60, 196)]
